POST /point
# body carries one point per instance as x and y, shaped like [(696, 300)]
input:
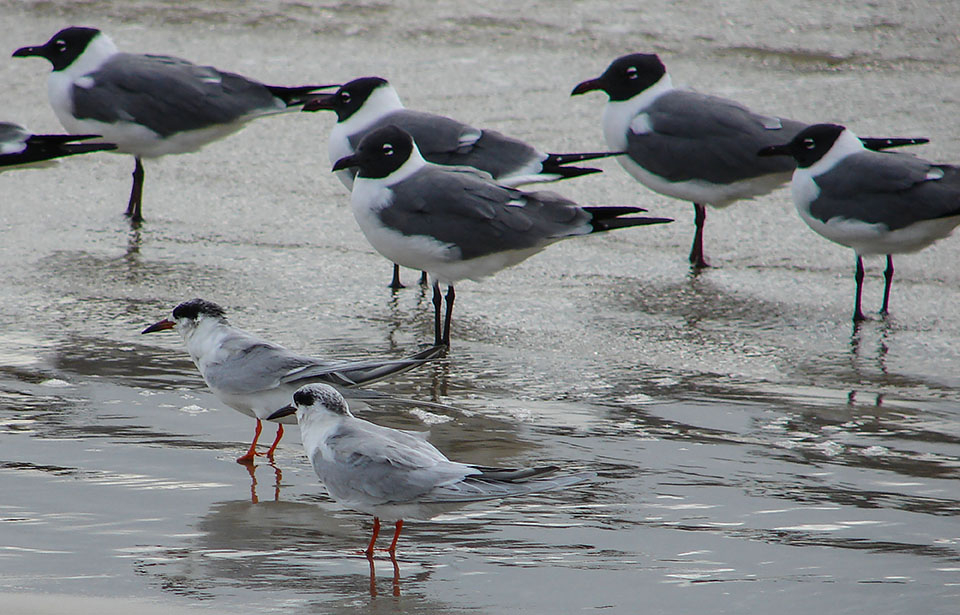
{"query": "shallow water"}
[(750, 449)]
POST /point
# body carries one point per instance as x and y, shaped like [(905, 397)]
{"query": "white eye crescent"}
[(809, 143), (387, 149), (61, 45), (345, 96), (632, 72)]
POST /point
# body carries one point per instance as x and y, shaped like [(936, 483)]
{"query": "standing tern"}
[(257, 377), (396, 475)]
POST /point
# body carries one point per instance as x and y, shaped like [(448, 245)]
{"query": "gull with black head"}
[(256, 377), (396, 475), (455, 222), (150, 105), (692, 146), (368, 103), (20, 148), (878, 203)]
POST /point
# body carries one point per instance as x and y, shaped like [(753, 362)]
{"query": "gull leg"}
[(392, 550), (373, 539), (437, 302), (888, 281), (857, 312), (136, 194), (448, 316), (696, 250), (273, 446), (423, 278), (248, 457), (395, 283)]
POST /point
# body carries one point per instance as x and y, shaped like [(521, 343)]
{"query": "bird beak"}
[(587, 86), (776, 150), (25, 52), (163, 325), (282, 412), (322, 102), (345, 163)]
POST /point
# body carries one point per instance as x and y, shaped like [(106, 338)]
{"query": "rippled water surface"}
[(752, 453)]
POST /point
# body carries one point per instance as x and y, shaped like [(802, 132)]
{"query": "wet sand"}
[(751, 450)]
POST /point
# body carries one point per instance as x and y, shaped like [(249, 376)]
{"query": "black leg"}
[(437, 301), (423, 278), (136, 194), (857, 312), (395, 283), (448, 316), (888, 281), (696, 250)]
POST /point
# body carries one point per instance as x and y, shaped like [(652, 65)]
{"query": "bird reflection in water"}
[(373, 575), (277, 474)]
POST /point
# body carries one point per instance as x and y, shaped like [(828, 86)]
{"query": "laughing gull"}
[(454, 222), (693, 146), (876, 203), (257, 377), (397, 475), (21, 148), (150, 105), (368, 103)]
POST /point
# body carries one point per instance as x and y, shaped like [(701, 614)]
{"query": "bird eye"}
[(632, 72), (345, 96), (387, 149), (61, 45), (809, 143)]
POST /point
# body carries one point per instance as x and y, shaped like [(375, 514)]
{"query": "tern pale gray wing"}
[(893, 189), (478, 217), (371, 462), (251, 365), (700, 137), (168, 95), (476, 488)]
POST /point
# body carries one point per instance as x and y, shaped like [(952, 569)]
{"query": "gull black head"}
[(320, 395), (626, 76), (380, 153), (349, 98), (65, 46), (810, 145)]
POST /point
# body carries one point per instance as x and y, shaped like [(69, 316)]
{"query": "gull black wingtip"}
[(282, 412), (346, 162), (162, 325)]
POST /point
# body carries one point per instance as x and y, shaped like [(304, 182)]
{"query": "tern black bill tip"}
[(163, 325)]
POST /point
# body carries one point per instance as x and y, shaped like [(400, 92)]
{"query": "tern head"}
[(371, 93), (314, 400), (65, 46), (810, 145), (626, 77), (188, 316), (381, 153)]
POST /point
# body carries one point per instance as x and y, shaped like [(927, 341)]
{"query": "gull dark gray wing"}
[(477, 217), (699, 137), (896, 190), (168, 95), (443, 140)]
